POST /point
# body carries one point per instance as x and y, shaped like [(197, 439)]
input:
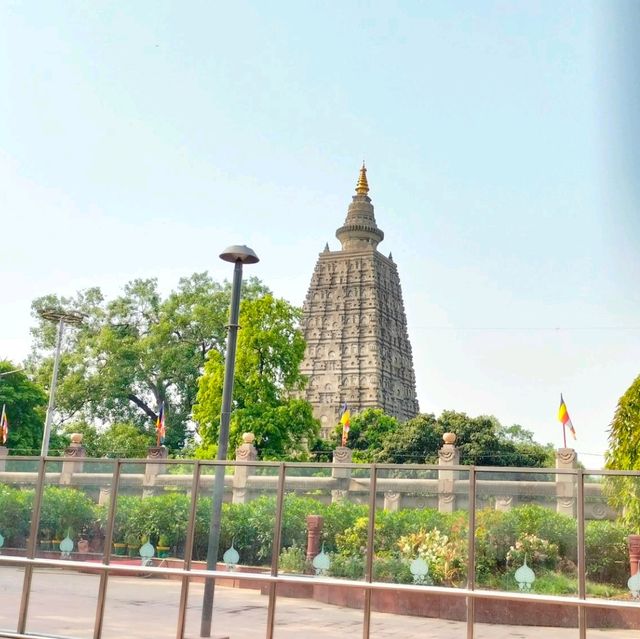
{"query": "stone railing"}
[(445, 486)]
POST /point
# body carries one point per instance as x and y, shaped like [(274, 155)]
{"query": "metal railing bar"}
[(104, 577), (31, 548), (376, 585), (188, 552), (582, 580), (471, 561), (371, 526), (275, 553)]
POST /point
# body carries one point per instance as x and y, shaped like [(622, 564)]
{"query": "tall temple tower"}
[(354, 323)]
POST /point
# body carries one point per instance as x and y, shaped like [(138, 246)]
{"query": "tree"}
[(25, 403), (624, 433), (117, 440), (624, 454), (481, 441), (367, 431), (136, 352), (267, 375)]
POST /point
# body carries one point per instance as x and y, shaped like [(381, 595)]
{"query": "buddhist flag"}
[(161, 431), (563, 416), (4, 425), (345, 420)]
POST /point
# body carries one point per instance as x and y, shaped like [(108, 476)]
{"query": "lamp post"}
[(61, 317), (239, 255)]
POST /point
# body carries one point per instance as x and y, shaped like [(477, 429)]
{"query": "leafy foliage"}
[(482, 441), (624, 454), (25, 402), (135, 352), (267, 372)]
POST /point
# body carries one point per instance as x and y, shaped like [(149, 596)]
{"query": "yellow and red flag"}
[(4, 426), (563, 416), (345, 420), (161, 431)]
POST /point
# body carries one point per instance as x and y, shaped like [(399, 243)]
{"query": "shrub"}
[(445, 556), (66, 511), (607, 557), (537, 551), (292, 559), (15, 515)]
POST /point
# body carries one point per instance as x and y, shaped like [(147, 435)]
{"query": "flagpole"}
[(564, 434)]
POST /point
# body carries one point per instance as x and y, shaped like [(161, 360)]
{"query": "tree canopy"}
[(482, 441), (136, 352), (25, 403), (624, 434), (267, 375)]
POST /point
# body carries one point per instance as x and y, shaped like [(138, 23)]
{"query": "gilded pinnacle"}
[(362, 187)]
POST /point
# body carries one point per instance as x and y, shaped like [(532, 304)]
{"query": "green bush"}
[(607, 555), (15, 515), (66, 511)]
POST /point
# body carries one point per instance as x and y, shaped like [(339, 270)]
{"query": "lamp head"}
[(239, 253)]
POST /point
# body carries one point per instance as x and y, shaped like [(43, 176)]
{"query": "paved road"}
[(63, 603)]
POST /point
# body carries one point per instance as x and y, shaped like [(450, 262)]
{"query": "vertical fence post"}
[(245, 452), (448, 455)]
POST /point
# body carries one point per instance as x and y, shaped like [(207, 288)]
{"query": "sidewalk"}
[(64, 604)]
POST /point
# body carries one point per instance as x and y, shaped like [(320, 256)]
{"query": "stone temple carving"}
[(354, 323)]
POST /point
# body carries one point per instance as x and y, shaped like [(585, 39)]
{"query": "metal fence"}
[(380, 591)]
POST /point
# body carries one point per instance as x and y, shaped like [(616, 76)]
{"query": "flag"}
[(161, 431), (345, 420), (4, 425), (563, 416)]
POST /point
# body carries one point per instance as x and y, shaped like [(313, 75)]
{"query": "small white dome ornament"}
[(419, 569), (231, 558), (66, 547), (525, 576), (634, 584), (321, 563), (146, 552)]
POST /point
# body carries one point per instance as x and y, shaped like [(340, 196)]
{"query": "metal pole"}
[(52, 393), (223, 444)]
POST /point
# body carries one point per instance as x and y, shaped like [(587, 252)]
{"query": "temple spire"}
[(362, 187)]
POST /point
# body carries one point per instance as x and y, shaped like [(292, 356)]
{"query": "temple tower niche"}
[(354, 323)]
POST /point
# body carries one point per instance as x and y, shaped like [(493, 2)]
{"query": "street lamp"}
[(238, 255), (73, 318)]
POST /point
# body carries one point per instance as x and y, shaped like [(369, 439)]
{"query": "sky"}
[(501, 140)]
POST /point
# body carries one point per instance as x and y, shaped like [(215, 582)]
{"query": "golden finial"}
[(362, 187)]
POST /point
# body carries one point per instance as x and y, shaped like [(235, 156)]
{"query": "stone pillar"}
[(314, 528), (391, 501), (504, 503), (341, 455), (245, 452), (75, 451), (4, 451), (566, 484), (633, 542), (448, 455), (152, 470)]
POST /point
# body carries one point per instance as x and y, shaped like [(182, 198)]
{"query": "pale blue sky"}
[(139, 139)]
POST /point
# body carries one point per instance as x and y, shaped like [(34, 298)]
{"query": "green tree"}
[(25, 403), (116, 440), (267, 375), (368, 429), (137, 351), (624, 454), (481, 441)]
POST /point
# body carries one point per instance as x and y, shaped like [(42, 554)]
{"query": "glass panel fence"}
[(612, 552), (245, 545), (421, 538), (323, 538), (526, 541)]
